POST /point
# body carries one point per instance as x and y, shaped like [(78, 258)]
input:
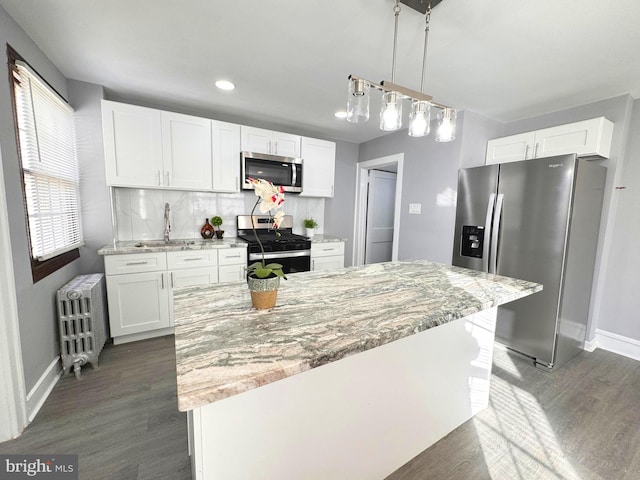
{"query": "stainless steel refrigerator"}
[(536, 220)]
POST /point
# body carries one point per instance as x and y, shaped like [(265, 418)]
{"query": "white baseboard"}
[(591, 345), (615, 343), (41, 390)]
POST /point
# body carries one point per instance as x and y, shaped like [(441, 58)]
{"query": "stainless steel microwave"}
[(285, 171)]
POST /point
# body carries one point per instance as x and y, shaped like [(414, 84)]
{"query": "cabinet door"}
[(285, 144), (591, 138), (232, 273), (226, 157), (255, 140), (189, 277), (138, 302), (319, 160), (327, 263), (186, 142), (510, 149), (132, 145)]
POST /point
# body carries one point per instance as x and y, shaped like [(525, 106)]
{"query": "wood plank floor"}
[(580, 422)]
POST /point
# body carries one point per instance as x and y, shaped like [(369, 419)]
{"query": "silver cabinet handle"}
[(162, 280), (159, 178), (136, 263), (232, 256), (535, 150), (168, 179), (237, 183), (526, 152), (172, 283), (195, 259)]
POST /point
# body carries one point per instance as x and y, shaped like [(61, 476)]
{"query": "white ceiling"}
[(290, 59)]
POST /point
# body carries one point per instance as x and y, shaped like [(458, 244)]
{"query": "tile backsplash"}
[(139, 213)]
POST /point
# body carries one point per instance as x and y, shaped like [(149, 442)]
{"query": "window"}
[(45, 134)]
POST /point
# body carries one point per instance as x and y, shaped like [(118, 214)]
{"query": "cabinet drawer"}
[(327, 249), (135, 263), (232, 256), (192, 259)]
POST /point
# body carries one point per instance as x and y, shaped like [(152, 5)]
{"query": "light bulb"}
[(419, 119), (391, 112), (358, 101), (447, 125)]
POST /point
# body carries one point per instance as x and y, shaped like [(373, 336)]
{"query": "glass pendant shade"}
[(419, 118), (446, 125), (358, 101), (391, 112)]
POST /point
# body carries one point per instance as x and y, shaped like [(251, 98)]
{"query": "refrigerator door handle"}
[(487, 231), (495, 231)]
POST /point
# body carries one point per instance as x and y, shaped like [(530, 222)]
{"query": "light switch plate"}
[(415, 208)]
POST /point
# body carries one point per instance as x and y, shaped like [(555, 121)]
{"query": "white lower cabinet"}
[(232, 265), (137, 294), (140, 286), (327, 256)]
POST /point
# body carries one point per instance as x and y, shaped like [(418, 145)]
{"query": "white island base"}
[(361, 417)]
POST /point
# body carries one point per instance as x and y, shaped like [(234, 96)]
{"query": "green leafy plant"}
[(216, 221), (270, 199), (310, 223)]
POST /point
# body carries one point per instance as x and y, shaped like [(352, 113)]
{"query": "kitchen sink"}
[(162, 243)]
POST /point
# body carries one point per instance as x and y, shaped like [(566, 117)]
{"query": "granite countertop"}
[(146, 246), (225, 347), (322, 238)]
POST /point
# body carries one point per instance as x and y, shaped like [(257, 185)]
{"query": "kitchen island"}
[(353, 373)]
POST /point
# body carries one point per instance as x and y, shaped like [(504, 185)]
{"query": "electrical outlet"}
[(415, 208)]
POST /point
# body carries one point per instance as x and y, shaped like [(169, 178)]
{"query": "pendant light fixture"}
[(393, 95)]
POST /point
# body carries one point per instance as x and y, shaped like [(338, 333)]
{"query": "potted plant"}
[(264, 278), (310, 224), (216, 222)]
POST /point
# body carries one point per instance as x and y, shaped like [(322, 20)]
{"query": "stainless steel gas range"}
[(280, 245)]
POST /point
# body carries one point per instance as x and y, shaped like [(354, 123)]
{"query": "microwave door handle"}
[(294, 175)]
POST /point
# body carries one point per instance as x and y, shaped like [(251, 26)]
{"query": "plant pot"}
[(264, 291), (310, 232), (219, 234)]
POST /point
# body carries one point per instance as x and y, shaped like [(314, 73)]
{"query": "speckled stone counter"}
[(145, 246), (322, 238), (224, 347)]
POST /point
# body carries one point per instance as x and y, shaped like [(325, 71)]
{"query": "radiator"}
[(82, 321)]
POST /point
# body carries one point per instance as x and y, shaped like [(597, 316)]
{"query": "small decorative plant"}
[(310, 223), (270, 199), (217, 222)]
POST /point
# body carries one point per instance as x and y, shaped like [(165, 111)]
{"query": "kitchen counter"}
[(225, 347), (323, 238), (146, 246), (348, 363)]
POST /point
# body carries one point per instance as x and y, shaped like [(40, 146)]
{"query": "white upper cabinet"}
[(145, 147), (132, 144), (186, 152), (266, 141), (226, 157), (588, 138), (318, 163)]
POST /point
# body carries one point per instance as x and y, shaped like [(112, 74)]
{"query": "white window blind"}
[(49, 164)]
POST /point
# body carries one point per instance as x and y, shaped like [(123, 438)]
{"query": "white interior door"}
[(380, 216)]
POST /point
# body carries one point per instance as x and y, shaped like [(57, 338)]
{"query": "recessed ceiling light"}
[(225, 85), (340, 114)]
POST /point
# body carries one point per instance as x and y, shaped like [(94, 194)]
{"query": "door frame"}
[(13, 397), (359, 229)]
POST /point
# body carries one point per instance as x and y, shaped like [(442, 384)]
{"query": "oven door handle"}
[(277, 255)]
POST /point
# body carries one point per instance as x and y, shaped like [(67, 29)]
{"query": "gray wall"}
[(430, 178), (339, 210), (94, 193), (620, 303), (36, 304)]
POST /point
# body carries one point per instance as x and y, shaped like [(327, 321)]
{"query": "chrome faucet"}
[(167, 224)]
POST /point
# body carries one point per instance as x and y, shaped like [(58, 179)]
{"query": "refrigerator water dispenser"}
[(472, 241)]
